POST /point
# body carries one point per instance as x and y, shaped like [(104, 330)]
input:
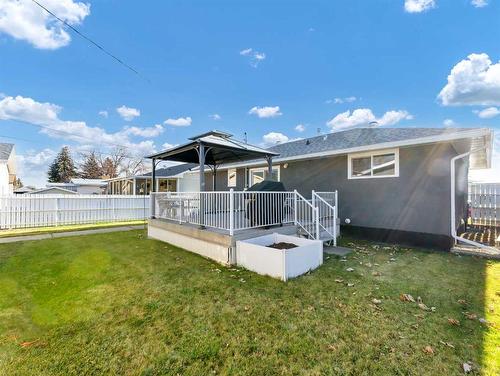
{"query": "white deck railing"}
[(238, 210), (327, 205), (52, 210)]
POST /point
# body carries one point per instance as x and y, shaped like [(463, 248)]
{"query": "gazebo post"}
[(269, 167), (201, 157), (152, 196), (214, 183)]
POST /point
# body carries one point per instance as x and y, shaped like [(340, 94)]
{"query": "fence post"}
[(295, 214), (231, 212), (56, 211)]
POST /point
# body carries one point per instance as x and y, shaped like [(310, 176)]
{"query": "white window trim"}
[(235, 177), (258, 169), (350, 157)]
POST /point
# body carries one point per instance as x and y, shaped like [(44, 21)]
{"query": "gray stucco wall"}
[(418, 200)]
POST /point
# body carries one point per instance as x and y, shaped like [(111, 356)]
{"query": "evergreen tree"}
[(109, 168), (53, 173), (63, 167), (90, 167)]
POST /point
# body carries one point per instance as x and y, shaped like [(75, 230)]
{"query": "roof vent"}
[(308, 142)]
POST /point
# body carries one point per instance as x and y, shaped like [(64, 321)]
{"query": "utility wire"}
[(120, 61)]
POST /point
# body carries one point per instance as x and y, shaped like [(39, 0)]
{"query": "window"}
[(231, 177), (377, 164), (257, 175)]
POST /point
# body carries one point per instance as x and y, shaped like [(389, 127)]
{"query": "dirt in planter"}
[(283, 245)]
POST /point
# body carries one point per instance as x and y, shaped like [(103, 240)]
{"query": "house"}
[(53, 190), (82, 186), (7, 169), (23, 190), (405, 185), (178, 178)]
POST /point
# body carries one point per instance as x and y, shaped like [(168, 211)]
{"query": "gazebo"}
[(212, 149)]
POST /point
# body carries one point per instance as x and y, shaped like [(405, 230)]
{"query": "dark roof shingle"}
[(5, 150)]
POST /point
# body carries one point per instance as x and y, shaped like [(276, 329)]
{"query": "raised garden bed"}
[(279, 256)]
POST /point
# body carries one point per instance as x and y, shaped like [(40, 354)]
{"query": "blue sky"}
[(263, 67)]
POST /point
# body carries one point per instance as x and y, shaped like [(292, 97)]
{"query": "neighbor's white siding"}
[(190, 182), (5, 187), (89, 190)]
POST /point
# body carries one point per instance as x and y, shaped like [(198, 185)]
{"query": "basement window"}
[(376, 164)]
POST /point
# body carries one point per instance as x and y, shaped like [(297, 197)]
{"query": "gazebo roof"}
[(220, 148)]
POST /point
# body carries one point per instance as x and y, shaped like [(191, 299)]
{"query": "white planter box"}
[(255, 255)]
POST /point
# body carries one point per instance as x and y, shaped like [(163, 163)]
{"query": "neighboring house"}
[(394, 184), (89, 186), (178, 178), (7, 169), (82, 186), (23, 190), (52, 191)]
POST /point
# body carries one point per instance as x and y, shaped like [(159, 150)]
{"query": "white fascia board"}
[(384, 145)]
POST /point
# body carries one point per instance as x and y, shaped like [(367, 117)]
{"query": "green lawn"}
[(118, 303)]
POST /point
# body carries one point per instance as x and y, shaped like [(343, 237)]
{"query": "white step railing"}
[(326, 203), (237, 210), (484, 202)]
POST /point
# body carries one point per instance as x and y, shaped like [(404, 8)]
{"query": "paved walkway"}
[(65, 234)]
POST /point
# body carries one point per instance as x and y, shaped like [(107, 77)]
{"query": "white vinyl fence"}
[(52, 210), (484, 201)]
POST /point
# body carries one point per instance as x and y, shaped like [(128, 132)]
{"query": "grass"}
[(118, 303), (65, 228)]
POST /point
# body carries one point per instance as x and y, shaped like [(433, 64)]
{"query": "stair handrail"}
[(333, 208), (314, 215)]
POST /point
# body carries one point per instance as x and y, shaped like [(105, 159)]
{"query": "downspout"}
[(453, 209)]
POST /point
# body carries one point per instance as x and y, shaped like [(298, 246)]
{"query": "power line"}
[(120, 61)]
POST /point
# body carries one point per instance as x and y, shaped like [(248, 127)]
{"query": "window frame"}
[(229, 185), (372, 154), (264, 169)]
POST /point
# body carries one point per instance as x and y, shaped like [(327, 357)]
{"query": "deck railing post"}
[(316, 216), (152, 203), (231, 212), (335, 225), (295, 209), (313, 198)]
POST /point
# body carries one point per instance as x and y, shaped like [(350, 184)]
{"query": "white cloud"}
[(488, 113), (33, 165), (46, 115), (300, 128), (168, 145), (479, 3), (273, 138), (365, 116), (128, 113), (449, 123), (255, 57), (179, 122), (265, 112), (418, 6), (24, 20), (473, 81), (147, 132), (103, 113), (215, 117), (341, 100)]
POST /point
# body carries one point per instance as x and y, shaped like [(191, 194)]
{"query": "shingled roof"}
[(355, 138), (5, 151)]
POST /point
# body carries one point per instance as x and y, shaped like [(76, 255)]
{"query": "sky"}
[(275, 70)]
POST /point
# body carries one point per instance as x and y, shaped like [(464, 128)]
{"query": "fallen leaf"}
[(350, 269), (462, 302), (339, 280), (376, 301), (423, 307), (447, 344), (376, 274), (332, 347), (471, 316), (406, 298), (350, 284), (454, 322), (29, 343), (428, 350), (467, 367)]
